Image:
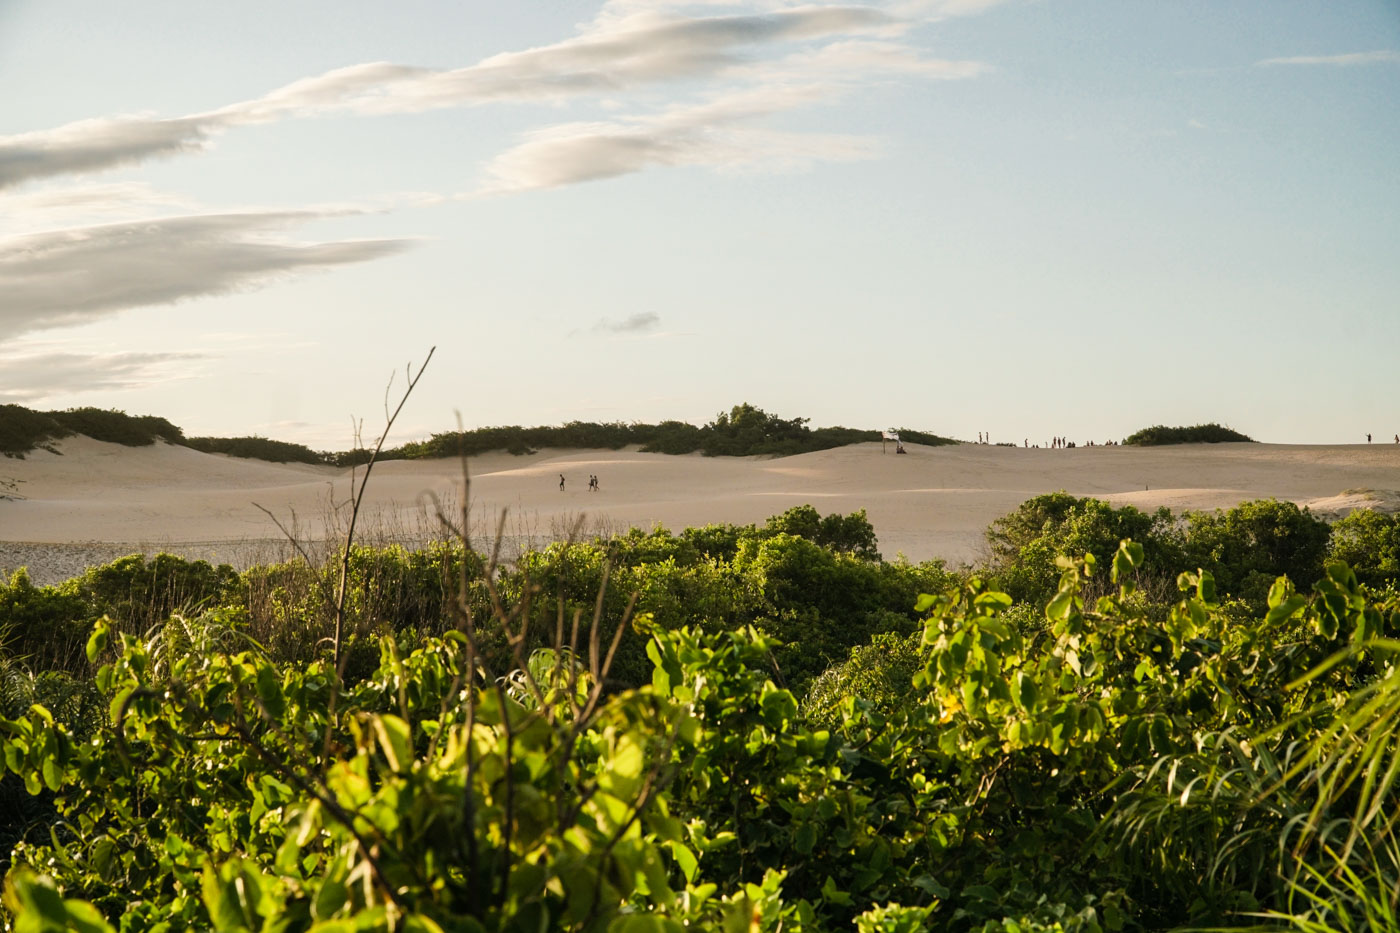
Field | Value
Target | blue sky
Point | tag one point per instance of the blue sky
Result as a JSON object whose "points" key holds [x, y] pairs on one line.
{"points": [[1028, 218]]}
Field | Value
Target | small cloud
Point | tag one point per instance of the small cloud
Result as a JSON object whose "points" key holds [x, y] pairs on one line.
{"points": [[1196, 125], [640, 323], [1347, 58]]}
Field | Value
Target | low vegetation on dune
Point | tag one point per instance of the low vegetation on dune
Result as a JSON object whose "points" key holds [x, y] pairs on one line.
{"points": [[1160, 435], [256, 448], [23, 430], [742, 431], [1121, 721]]}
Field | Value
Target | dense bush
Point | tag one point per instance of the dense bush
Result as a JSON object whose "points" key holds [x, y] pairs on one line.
{"points": [[256, 448], [22, 430], [1369, 542], [1112, 771], [1247, 547], [117, 427], [1158, 435], [789, 735], [743, 431]]}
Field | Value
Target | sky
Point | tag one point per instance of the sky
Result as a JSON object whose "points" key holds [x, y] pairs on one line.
{"points": [[1021, 217]]}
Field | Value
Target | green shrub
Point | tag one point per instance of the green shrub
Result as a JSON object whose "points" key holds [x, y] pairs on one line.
{"points": [[1369, 542], [1246, 548], [22, 430], [1159, 435], [258, 448], [117, 427]]}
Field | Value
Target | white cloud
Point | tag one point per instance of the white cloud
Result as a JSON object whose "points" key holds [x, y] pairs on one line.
{"points": [[80, 274], [1348, 58], [716, 132], [33, 377], [578, 152], [94, 145], [629, 45]]}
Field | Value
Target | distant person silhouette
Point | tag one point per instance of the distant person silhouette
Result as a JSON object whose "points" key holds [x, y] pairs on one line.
{"points": [[1368, 438], [561, 482]]}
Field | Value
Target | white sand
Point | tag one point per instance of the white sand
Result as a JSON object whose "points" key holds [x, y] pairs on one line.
{"points": [[934, 502]]}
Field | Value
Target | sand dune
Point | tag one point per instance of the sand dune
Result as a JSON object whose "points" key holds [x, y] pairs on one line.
{"points": [[934, 502]]}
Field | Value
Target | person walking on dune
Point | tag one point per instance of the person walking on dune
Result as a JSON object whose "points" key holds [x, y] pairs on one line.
{"points": [[561, 482]]}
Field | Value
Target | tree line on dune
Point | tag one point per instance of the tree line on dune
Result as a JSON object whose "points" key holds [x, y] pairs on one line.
{"points": [[1119, 720], [744, 430]]}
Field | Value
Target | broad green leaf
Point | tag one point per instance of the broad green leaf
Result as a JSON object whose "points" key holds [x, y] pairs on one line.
{"points": [[685, 859], [396, 741], [97, 641]]}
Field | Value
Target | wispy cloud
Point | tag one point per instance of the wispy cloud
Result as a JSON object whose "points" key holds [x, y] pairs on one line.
{"points": [[1347, 58], [639, 323], [33, 377], [80, 274], [718, 132], [72, 205], [612, 54], [736, 64]]}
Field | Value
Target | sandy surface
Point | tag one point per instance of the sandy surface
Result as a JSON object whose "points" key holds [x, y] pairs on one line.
{"points": [[94, 500]]}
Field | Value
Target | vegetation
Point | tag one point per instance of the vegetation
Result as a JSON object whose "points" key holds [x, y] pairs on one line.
{"points": [[742, 431], [22, 430], [1159, 435], [733, 727], [256, 448]]}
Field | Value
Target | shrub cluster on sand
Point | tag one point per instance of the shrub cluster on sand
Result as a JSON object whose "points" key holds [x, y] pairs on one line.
{"points": [[22, 429], [742, 431], [256, 448], [1212, 433]]}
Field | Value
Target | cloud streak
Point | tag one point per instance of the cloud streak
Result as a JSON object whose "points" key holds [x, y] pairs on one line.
{"points": [[1348, 58], [718, 132], [35, 376], [81, 274], [613, 54]]}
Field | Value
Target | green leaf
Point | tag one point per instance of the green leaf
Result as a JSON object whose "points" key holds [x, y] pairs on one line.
{"points": [[685, 859], [223, 909], [1205, 589], [38, 897], [97, 641], [992, 600], [85, 918], [396, 740], [1026, 691], [329, 899], [270, 690], [53, 774], [834, 895]]}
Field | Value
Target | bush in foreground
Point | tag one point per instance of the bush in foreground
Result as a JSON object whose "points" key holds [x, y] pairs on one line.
{"points": [[1111, 771]]}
